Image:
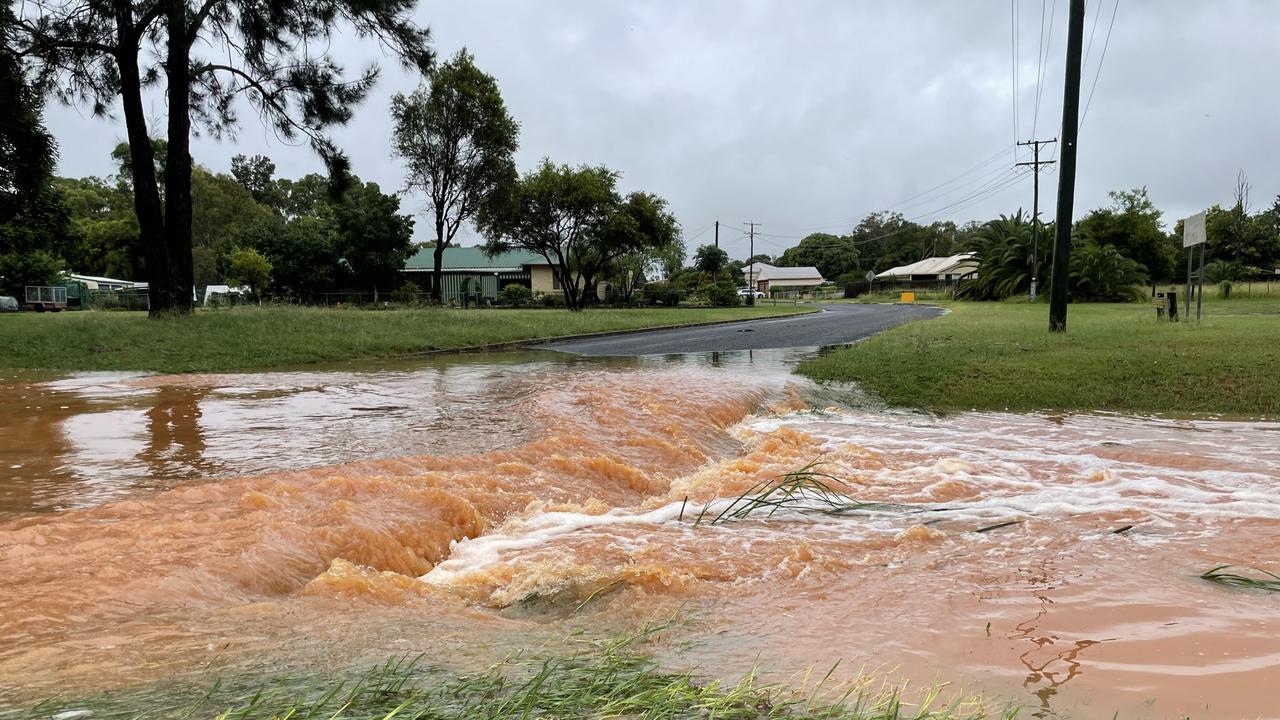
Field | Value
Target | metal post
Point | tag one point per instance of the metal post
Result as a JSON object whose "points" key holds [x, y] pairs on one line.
{"points": [[1200, 293], [1190, 251]]}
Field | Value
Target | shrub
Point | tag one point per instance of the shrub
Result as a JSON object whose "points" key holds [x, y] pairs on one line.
{"points": [[723, 294], [516, 295], [552, 300], [406, 294], [1224, 289], [1100, 273], [661, 293]]}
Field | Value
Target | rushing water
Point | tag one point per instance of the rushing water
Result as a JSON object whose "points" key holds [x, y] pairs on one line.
{"points": [[177, 526]]}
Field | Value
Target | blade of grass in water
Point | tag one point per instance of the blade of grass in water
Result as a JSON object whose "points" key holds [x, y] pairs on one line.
{"points": [[1270, 583]]}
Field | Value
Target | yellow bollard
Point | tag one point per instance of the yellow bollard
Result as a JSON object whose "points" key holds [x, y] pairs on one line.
{"points": [[908, 297]]}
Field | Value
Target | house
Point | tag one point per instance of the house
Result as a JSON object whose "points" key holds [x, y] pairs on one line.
{"points": [[933, 271], [765, 277], [482, 273]]}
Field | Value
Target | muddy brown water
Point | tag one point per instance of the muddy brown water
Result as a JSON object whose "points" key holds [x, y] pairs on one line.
{"points": [[194, 526]]}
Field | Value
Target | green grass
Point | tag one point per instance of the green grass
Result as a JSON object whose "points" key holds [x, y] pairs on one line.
{"points": [[1269, 582], [1000, 356], [253, 338], [609, 680]]}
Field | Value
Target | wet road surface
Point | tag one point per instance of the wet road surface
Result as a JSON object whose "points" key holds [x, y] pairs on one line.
{"points": [[836, 325]]}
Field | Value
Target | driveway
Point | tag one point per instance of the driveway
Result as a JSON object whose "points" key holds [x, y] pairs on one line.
{"points": [[835, 325]]}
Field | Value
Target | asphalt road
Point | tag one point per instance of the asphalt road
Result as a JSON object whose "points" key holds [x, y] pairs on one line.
{"points": [[836, 325]]}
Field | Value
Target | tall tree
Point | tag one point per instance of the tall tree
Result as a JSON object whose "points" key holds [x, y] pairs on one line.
{"points": [[711, 260], [273, 52], [373, 237], [832, 255], [458, 142], [558, 212]]}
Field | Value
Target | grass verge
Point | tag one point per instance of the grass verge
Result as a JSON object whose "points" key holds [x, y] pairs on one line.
{"points": [[1000, 356], [610, 680], [253, 338]]}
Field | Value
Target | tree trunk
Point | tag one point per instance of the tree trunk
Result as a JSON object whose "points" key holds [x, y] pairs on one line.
{"points": [[146, 190], [174, 295], [437, 275]]}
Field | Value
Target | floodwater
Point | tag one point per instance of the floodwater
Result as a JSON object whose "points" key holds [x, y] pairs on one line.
{"points": [[193, 526]]}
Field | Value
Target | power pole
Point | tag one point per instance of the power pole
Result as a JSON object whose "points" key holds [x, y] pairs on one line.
{"points": [[1067, 174], [717, 233], [1035, 207], [751, 253]]}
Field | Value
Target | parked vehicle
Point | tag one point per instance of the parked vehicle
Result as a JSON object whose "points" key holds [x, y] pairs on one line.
{"points": [[8, 303], [746, 292]]}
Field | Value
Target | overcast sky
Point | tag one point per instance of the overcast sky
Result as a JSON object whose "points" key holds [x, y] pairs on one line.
{"points": [[806, 115]]}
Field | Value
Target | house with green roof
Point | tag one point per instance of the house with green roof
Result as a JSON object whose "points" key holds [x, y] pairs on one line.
{"points": [[488, 275]]}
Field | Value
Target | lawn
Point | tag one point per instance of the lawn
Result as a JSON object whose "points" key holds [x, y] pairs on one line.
{"points": [[253, 338], [1000, 356]]}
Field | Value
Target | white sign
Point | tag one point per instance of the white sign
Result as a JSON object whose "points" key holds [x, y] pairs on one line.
{"points": [[1193, 230], [871, 275]]}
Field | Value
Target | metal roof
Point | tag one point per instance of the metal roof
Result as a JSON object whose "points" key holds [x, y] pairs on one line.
{"points": [[765, 271], [473, 259], [933, 266]]}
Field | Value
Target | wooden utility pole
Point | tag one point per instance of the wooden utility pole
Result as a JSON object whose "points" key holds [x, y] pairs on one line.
{"points": [[1067, 174], [717, 233], [751, 265], [1035, 207]]}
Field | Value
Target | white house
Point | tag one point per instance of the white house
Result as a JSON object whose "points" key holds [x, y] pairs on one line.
{"points": [[935, 269], [765, 277]]}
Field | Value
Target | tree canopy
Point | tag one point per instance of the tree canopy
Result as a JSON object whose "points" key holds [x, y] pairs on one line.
{"points": [[458, 142], [832, 255], [273, 53]]}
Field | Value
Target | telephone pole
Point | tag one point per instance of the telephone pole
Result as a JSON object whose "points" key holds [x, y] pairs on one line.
{"points": [[1067, 173], [751, 266], [717, 233], [1035, 207]]}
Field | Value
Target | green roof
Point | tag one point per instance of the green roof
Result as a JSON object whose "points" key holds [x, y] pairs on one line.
{"points": [[471, 257]]}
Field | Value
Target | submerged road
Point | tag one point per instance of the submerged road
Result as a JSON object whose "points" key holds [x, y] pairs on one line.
{"points": [[836, 325]]}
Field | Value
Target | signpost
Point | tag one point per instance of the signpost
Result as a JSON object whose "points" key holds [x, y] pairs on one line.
{"points": [[1192, 235], [871, 278]]}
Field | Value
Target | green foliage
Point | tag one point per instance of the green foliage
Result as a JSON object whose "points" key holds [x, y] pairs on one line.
{"points": [[251, 268], [710, 260], [303, 253], [575, 218], [1224, 289], [1220, 271], [1132, 226], [1099, 273], [661, 293], [458, 142], [721, 294], [407, 293], [832, 255], [373, 237], [887, 239], [256, 174], [551, 300], [516, 295], [1004, 249], [27, 150], [220, 208], [108, 241], [32, 267]]}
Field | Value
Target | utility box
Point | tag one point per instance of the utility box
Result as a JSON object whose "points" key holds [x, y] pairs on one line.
{"points": [[1166, 305], [907, 297]]}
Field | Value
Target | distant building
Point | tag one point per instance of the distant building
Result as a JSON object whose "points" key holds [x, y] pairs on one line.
{"points": [[765, 277], [488, 274], [933, 271]]}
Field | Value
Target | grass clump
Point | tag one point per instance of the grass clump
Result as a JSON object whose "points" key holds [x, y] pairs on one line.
{"points": [[1000, 356], [609, 680], [245, 338], [1219, 575], [803, 490]]}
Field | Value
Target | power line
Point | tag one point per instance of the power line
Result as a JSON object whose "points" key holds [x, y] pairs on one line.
{"points": [[1042, 59], [1101, 59], [1013, 49]]}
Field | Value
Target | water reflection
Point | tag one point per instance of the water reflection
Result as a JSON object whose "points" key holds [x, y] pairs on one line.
{"points": [[83, 440]]}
